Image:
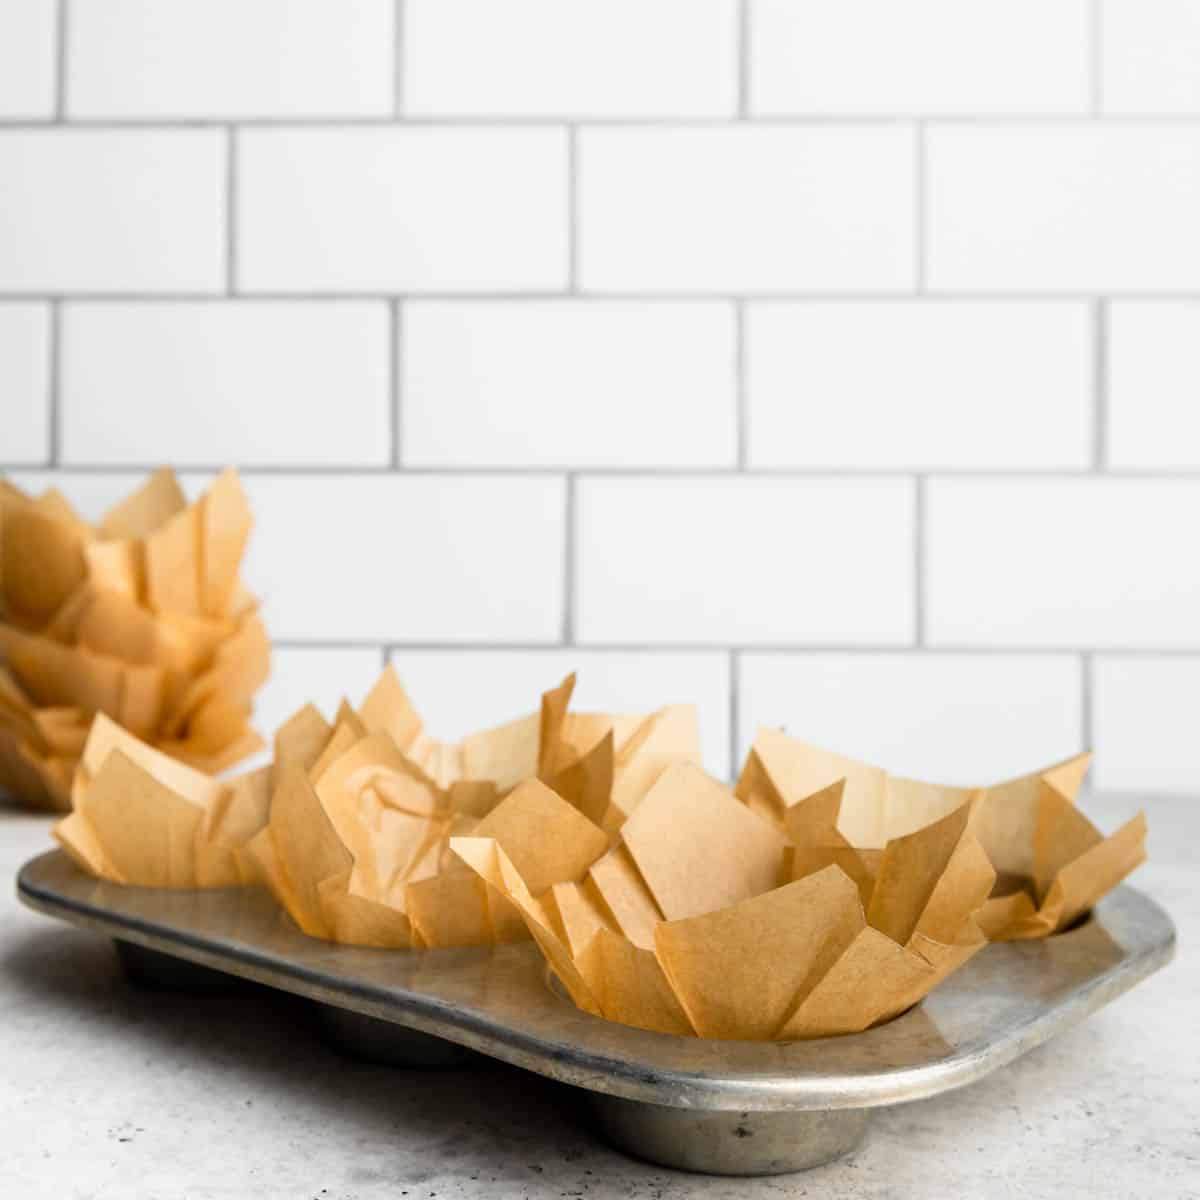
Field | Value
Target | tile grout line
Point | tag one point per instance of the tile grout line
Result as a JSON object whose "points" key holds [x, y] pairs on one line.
{"points": [[806, 649], [569, 549], [920, 221], [1012, 475], [399, 16], [231, 157], [573, 209], [919, 508], [1096, 57], [741, 406], [1100, 354], [54, 386], [800, 120], [743, 60], [62, 29], [1087, 662], [395, 386], [735, 704], [540, 295]]}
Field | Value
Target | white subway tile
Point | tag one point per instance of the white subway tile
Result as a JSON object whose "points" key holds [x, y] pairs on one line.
{"points": [[460, 691], [896, 384], [27, 53], [1064, 208], [319, 675], [24, 383], [1150, 56], [747, 209], [570, 58], [402, 209], [963, 719], [1153, 385], [112, 211], [1144, 719], [226, 58], [924, 56], [418, 558], [744, 560], [594, 384], [1062, 563], [293, 383]]}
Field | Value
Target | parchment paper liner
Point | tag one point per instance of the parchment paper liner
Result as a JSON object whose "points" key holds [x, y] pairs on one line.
{"points": [[141, 618], [350, 830], [1051, 863], [701, 920]]}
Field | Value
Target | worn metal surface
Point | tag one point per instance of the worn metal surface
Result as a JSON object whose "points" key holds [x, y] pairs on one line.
{"points": [[386, 1043], [1007, 1000], [728, 1143]]}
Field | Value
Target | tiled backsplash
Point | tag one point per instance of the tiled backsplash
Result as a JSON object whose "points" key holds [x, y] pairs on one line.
{"points": [[832, 363]]}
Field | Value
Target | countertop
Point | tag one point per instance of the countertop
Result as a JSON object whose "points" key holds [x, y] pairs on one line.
{"points": [[114, 1093]]}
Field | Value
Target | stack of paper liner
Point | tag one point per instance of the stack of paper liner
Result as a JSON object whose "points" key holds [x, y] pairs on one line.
{"points": [[822, 897], [142, 618]]}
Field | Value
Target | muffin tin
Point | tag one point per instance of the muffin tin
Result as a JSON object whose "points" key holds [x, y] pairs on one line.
{"points": [[736, 1108]]}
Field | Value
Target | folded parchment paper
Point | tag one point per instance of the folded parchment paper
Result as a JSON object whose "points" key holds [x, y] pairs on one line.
{"points": [[702, 920], [142, 618], [821, 897], [350, 826], [1051, 863]]}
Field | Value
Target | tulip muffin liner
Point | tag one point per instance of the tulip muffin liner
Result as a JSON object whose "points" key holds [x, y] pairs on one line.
{"points": [[142, 618]]}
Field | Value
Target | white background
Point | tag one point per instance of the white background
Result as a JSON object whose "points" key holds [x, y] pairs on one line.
{"points": [[831, 363]]}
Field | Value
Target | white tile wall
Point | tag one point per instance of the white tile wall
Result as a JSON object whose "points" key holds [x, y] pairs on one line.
{"points": [[1154, 385], [112, 211], [744, 209], [252, 382], [152, 59], [383, 558], [571, 58], [395, 209], [921, 57], [1151, 56], [947, 384], [24, 382], [827, 362], [1145, 723], [933, 716], [564, 383], [1080, 207], [27, 48], [744, 561], [1087, 562]]}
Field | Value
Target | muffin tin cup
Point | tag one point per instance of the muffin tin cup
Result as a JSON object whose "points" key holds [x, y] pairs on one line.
{"points": [[386, 1044], [159, 972]]}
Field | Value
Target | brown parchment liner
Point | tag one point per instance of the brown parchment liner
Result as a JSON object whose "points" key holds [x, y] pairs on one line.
{"points": [[706, 919], [821, 897], [1052, 864], [141, 618], [350, 826]]}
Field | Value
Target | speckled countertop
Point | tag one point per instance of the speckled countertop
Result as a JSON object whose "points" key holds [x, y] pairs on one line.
{"points": [[111, 1093]]}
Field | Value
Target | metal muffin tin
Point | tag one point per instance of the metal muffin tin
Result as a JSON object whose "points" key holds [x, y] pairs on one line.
{"points": [[738, 1108]]}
